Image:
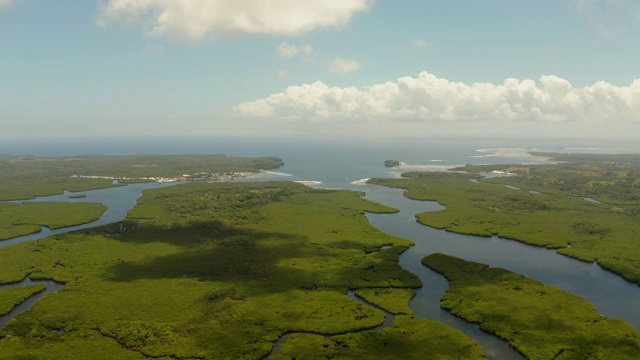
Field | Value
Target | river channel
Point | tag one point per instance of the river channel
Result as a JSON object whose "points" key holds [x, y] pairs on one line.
{"points": [[612, 296]]}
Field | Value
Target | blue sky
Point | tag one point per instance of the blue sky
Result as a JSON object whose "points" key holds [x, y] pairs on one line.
{"points": [[211, 67]]}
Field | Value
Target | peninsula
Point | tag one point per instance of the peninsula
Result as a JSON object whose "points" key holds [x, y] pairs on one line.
{"points": [[585, 206], [223, 271], [25, 177]]}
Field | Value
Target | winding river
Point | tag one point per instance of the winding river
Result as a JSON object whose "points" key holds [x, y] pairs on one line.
{"points": [[388, 321], [119, 200], [612, 296], [52, 286]]}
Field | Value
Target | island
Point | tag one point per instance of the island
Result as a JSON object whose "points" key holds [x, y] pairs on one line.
{"points": [[542, 322], [226, 270], [391, 163], [585, 206], [28, 218], [25, 177], [279, 270]]}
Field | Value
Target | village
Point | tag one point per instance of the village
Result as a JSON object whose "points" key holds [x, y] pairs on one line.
{"points": [[202, 176]]}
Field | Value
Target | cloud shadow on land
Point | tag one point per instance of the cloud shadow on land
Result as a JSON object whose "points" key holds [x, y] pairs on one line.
{"points": [[252, 285], [270, 261], [210, 251]]}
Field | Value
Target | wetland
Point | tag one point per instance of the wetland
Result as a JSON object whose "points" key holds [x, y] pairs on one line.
{"points": [[197, 236]]}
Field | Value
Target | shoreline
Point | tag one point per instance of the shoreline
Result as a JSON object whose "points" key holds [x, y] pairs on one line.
{"points": [[513, 153], [308, 183], [268, 174], [433, 168], [212, 177]]}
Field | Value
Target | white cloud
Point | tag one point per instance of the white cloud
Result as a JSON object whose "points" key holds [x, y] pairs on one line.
{"points": [[192, 20], [344, 66], [287, 50], [431, 99], [418, 43]]}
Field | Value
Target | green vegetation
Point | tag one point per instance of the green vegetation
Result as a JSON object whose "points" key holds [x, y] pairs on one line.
{"points": [[28, 218], [79, 196], [614, 179], [12, 297], [81, 344], [395, 301], [542, 322], [558, 219], [25, 177], [221, 271], [391, 163], [407, 338]]}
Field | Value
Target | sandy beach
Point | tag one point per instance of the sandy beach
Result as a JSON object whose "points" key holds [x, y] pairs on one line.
{"points": [[309, 183], [516, 153], [410, 167], [267, 174], [360, 182]]}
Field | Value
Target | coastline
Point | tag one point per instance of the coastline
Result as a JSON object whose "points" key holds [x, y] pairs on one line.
{"points": [[308, 183], [514, 153], [267, 174], [361, 181], [210, 177], [433, 168]]}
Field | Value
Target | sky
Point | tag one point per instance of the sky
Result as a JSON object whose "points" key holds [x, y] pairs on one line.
{"points": [[101, 68]]}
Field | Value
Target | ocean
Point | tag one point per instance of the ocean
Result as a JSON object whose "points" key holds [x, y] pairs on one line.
{"points": [[335, 162], [341, 163]]}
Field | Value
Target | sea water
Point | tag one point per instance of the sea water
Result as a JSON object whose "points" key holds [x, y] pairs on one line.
{"points": [[344, 162]]}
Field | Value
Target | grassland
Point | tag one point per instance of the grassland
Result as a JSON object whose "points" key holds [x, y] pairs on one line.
{"points": [[553, 217], [25, 177], [215, 271], [542, 322], [12, 297], [28, 218]]}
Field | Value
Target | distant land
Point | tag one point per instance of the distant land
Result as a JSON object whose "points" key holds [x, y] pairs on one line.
{"points": [[585, 206], [391, 163], [25, 177], [225, 270], [278, 270]]}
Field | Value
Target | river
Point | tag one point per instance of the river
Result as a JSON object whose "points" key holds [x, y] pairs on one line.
{"points": [[340, 163]]}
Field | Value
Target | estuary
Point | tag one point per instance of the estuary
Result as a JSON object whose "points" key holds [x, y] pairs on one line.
{"points": [[342, 166]]}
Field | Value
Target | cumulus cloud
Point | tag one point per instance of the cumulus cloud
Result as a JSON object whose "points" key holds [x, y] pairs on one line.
{"points": [[288, 51], [344, 66], [428, 98], [192, 20]]}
